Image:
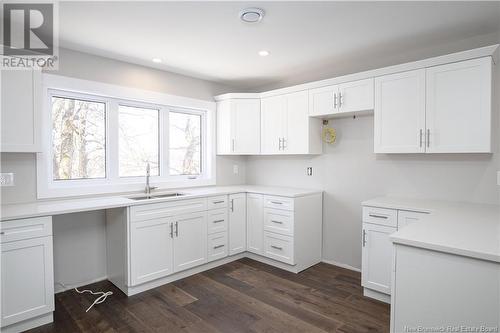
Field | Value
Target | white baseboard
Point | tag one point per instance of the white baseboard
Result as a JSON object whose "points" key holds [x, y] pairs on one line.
{"points": [[334, 263], [58, 288]]}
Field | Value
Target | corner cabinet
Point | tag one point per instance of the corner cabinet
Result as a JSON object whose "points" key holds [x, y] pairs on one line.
{"points": [[20, 111], [238, 126], [441, 109], [286, 127]]}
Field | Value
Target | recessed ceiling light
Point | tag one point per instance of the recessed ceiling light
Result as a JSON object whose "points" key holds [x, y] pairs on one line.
{"points": [[156, 60], [251, 15], [263, 53]]}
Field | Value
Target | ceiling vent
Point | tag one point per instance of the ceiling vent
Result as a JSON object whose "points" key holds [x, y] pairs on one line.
{"points": [[251, 15]]}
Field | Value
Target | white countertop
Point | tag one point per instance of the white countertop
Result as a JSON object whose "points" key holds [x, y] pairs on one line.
{"points": [[65, 206], [466, 229]]}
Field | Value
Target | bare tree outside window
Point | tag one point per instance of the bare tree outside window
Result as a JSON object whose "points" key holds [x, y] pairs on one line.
{"points": [[78, 139], [185, 143], [138, 141]]}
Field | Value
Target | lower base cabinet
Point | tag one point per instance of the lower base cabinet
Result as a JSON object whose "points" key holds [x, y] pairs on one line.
{"points": [[255, 223], [27, 273], [190, 240], [217, 246], [237, 223]]}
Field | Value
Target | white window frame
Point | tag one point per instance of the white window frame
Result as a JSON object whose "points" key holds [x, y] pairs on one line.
{"points": [[113, 96]]}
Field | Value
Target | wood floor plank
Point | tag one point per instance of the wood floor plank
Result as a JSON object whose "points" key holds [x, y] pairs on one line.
{"points": [[241, 296]]}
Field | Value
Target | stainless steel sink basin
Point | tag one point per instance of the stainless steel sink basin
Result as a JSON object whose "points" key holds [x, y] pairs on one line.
{"points": [[159, 196]]}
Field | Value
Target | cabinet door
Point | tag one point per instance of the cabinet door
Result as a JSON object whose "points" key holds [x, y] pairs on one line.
{"points": [[356, 96], [20, 130], [237, 223], [406, 218], [151, 250], [458, 114], [399, 114], [190, 240], [272, 124], [255, 222], [323, 101], [296, 135], [377, 257], [224, 124], [246, 126], [27, 279]]}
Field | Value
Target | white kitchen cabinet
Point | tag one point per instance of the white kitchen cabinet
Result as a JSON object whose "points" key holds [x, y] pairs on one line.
{"points": [[238, 127], [151, 249], [344, 98], [399, 116], [217, 246], [237, 223], [20, 111], [190, 240], [406, 218], [286, 125], [255, 222], [377, 257], [27, 273], [458, 107]]}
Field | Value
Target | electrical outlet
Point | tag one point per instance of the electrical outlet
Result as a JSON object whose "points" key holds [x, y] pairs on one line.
{"points": [[309, 171], [236, 169], [7, 179]]}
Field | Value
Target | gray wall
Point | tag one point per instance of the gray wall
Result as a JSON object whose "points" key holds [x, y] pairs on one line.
{"points": [[79, 243]]}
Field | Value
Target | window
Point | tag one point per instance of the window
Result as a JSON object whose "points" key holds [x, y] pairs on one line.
{"points": [[185, 143], [99, 138], [138, 141], [78, 139]]}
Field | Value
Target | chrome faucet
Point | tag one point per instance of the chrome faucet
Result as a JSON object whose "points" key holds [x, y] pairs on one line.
{"points": [[148, 175]]}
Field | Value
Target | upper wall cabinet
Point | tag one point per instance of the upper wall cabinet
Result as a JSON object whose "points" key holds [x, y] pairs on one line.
{"points": [[286, 126], [458, 107], [345, 98], [20, 90], [238, 127], [441, 109]]}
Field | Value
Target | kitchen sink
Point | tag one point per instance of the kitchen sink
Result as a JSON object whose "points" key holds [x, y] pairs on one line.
{"points": [[158, 196]]}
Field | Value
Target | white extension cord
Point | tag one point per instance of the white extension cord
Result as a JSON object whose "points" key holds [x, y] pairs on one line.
{"points": [[98, 300]]}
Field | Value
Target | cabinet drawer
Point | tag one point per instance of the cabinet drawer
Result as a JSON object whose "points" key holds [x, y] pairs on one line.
{"points": [[380, 216], [217, 246], [165, 209], [278, 221], [217, 202], [278, 247], [406, 218], [217, 220], [278, 202], [25, 228]]}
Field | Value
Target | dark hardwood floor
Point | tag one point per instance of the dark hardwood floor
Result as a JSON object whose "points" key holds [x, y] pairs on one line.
{"points": [[242, 296]]}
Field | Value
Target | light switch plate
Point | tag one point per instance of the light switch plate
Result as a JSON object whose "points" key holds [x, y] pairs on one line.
{"points": [[7, 179], [236, 169]]}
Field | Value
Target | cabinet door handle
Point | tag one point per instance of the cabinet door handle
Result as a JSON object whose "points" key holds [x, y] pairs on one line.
{"points": [[171, 230], [232, 205], [218, 221], [364, 237], [176, 229], [378, 216], [335, 100], [278, 222], [428, 138], [421, 134], [2, 232], [284, 143], [276, 247], [218, 246], [341, 99], [279, 144], [232, 145]]}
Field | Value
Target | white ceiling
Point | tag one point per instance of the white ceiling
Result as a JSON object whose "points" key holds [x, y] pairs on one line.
{"points": [[207, 40]]}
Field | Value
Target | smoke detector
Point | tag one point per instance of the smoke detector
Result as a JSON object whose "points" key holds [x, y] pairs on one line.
{"points": [[251, 15]]}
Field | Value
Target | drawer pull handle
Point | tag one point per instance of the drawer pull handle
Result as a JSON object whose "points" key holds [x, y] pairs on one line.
{"points": [[278, 222], [378, 216], [218, 221], [218, 247], [276, 247], [218, 202], [2, 232], [276, 202]]}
